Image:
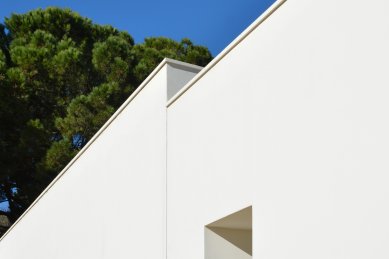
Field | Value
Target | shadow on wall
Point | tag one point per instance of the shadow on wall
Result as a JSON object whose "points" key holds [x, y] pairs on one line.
{"points": [[230, 237]]}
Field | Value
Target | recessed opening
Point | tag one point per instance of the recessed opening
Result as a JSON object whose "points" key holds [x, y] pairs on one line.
{"points": [[230, 237]]}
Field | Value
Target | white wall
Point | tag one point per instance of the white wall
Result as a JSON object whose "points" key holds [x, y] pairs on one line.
{"points": [[322, 131], [109, 203], [290, 119], [293, 121]]}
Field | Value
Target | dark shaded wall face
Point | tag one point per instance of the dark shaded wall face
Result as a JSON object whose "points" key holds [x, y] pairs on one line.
{"points": [[230, 237]]}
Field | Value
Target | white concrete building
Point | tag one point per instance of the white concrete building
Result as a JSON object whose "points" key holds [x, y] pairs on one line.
{"points": [[277, 149]]}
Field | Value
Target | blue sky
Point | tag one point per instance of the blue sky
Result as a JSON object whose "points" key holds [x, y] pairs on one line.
{"points": [[212, 23]]}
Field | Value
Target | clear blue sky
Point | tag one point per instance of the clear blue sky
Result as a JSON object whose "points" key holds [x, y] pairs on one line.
{"points": [[212, 23]]}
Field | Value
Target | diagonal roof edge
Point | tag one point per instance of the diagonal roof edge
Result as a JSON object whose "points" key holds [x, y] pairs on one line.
{"points": [[228, 49], [164, 62]]}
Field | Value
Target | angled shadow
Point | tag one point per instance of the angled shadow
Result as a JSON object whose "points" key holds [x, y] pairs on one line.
{"points": [[230, 236]]}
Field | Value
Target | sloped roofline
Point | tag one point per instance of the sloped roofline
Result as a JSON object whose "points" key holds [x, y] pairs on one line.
{"points": [[164, 62], [228, 49]]}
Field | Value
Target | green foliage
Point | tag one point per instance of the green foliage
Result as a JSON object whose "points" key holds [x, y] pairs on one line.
{"points": [[3, 66], [61, 78], [58, 155], [112, 58], [87, 113]]}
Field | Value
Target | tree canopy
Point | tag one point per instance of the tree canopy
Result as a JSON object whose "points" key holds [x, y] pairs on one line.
{"points": [[61, 78]]}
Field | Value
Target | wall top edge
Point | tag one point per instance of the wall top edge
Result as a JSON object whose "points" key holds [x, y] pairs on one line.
{"points": [[181, 65]]}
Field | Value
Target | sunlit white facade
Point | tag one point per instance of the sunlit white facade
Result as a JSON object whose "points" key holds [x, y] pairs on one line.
{"points": [[277, 149]]}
